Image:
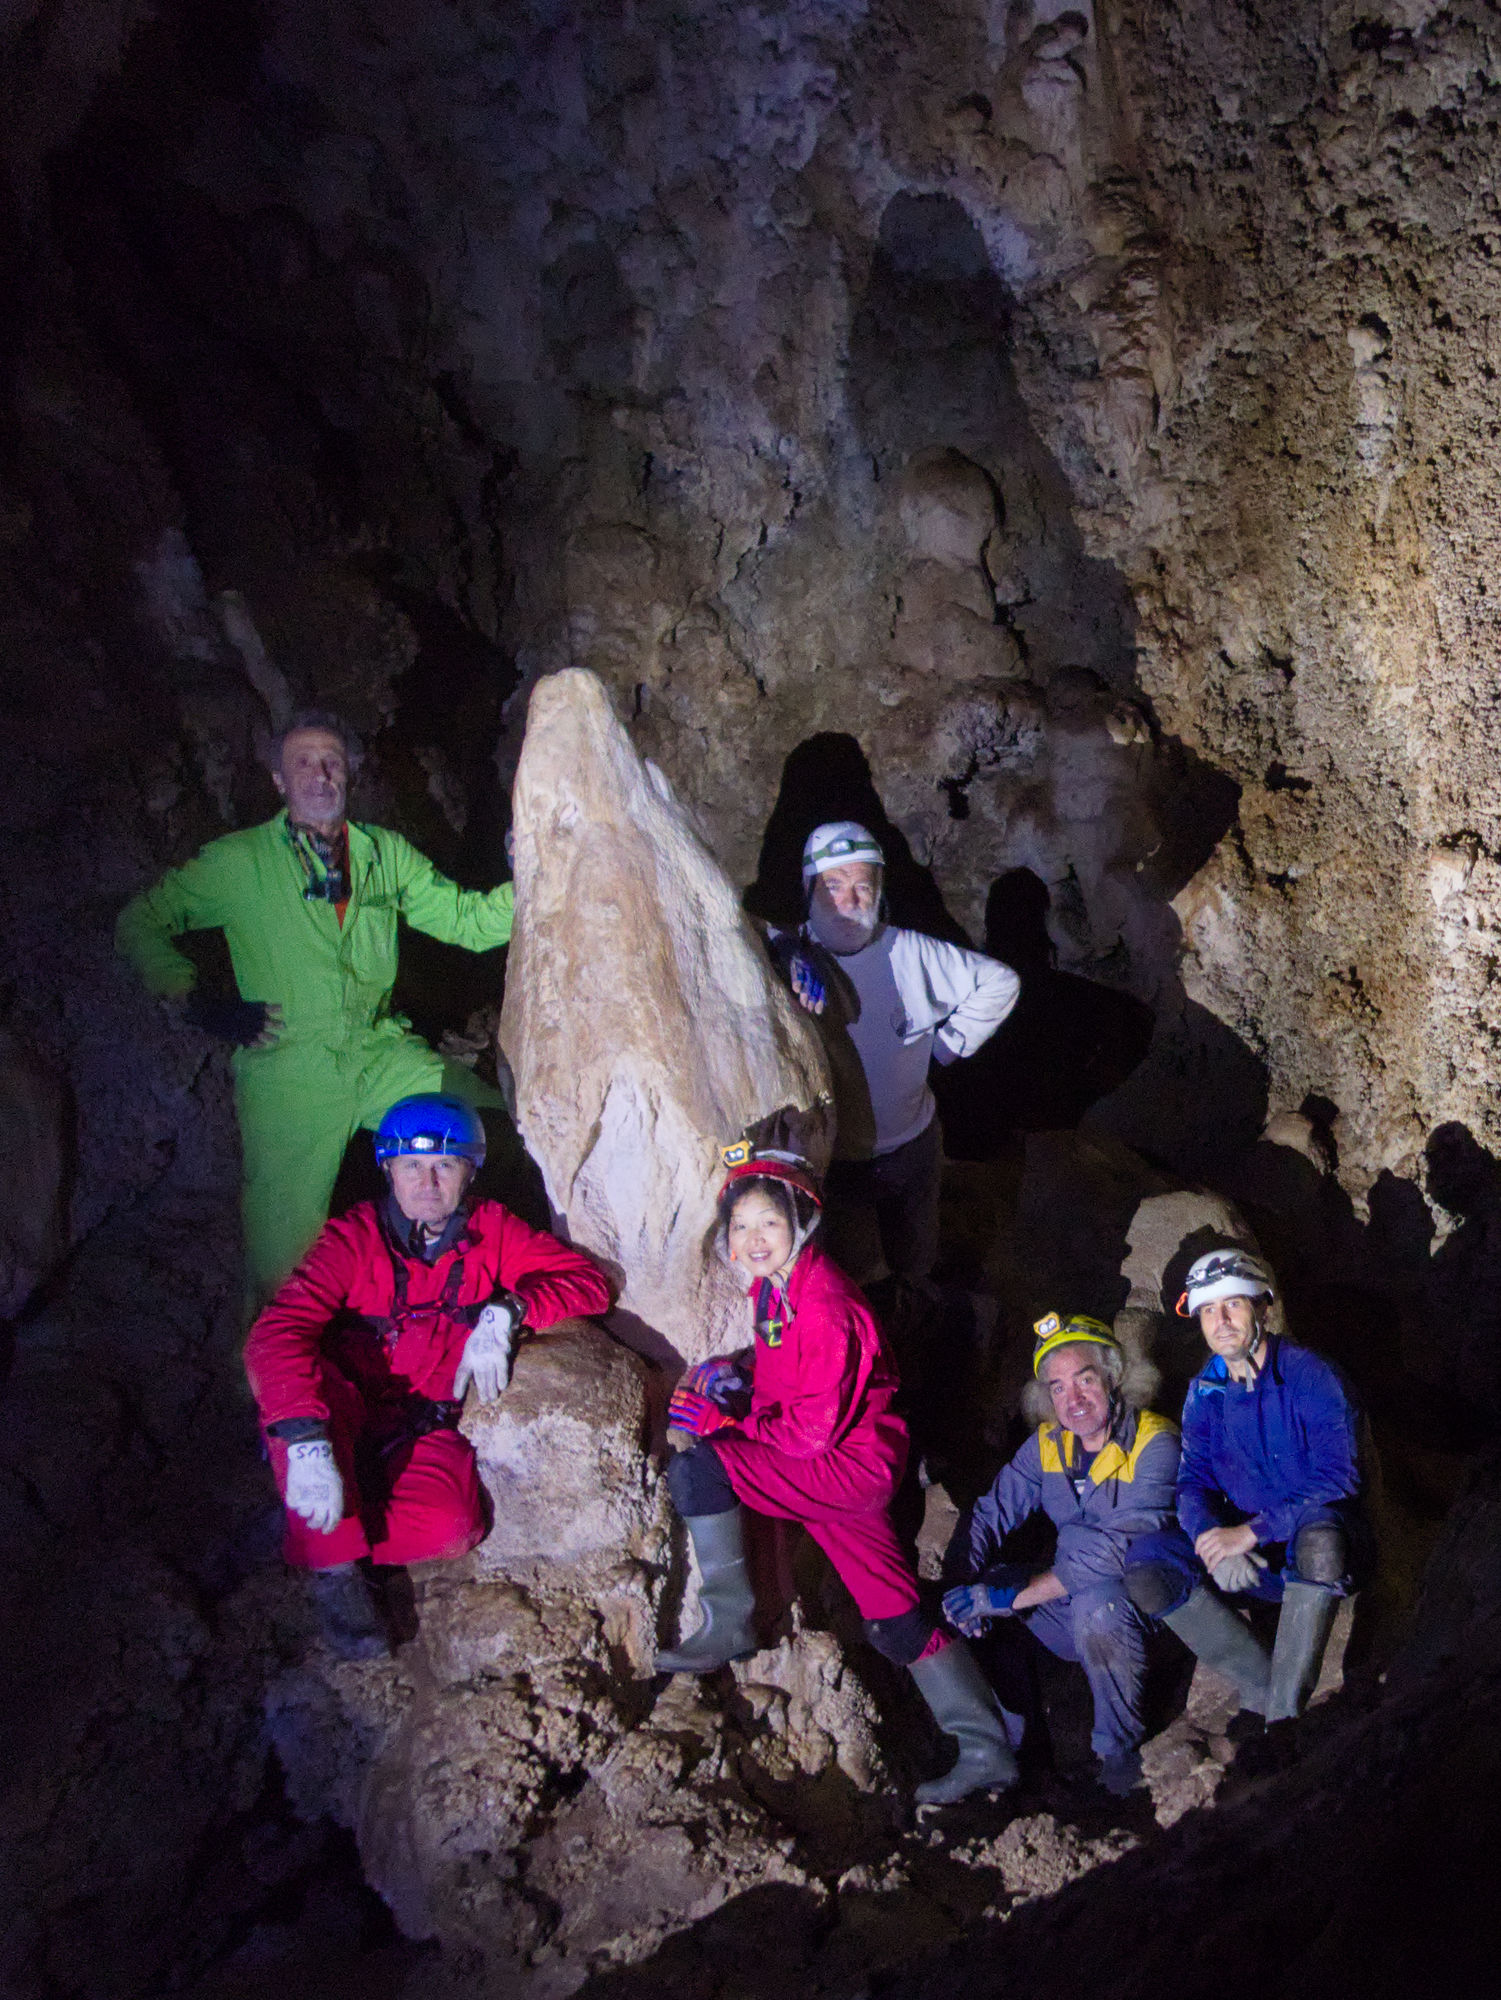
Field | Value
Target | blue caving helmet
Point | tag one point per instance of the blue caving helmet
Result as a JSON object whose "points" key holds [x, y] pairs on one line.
{"points": [[431, 1123]]}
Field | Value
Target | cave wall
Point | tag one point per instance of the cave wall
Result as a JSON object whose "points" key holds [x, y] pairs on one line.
{"points": [[1083, 411]]}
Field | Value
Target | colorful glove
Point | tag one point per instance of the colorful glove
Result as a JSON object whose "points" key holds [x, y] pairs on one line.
{"points": [[314, 1489], [486, 1360], [1238, 1572], [971, 1605], [724, 1380], [691, 1411]]}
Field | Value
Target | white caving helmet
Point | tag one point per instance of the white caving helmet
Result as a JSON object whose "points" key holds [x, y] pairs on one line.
{"points": [[835, 844], [1225, 1274]]}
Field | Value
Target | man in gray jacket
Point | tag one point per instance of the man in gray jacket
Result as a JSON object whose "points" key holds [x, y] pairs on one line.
{"points": [[1104, 1473], [891, 1001]]}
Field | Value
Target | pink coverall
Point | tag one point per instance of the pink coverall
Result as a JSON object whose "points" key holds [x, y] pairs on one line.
{"points": [[822, 1444]]}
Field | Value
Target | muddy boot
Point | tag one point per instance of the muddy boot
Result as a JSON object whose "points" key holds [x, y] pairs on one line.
{"points": [[347, 1617], [1214, 1634], [963, 1705], [725, 1597], [1302, 1634]]}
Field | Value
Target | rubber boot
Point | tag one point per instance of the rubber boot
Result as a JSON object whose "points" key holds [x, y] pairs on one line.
{"points": [[348, 1619], [1214, 1634], [963, 1705], [1302, 1634], [725, 1597]]}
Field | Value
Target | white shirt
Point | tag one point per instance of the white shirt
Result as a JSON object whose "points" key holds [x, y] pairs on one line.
{"points": [[909, 998]]}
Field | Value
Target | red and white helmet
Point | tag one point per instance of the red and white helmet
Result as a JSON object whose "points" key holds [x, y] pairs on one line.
{"points": [[744, 1162]]}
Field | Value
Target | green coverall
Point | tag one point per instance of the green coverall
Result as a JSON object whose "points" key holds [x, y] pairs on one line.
{"points": [[342, 1058]]}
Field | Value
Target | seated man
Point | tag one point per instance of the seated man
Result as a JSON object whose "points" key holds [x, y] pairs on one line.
{"points": [[1103, 1473], [1268, 1494], [360, 1363]]}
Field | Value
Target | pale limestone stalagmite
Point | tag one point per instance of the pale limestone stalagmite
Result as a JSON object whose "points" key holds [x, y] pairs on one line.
{"points": [[643, 1022]]}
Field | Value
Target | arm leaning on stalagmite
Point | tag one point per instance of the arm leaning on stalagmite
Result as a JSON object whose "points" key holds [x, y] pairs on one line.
{"points": [[1016, 1493], [552, 1279], [282, 1352], [477, 920]]}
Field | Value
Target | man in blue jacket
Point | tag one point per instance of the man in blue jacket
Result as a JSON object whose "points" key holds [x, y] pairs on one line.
{"points": [[1103, 1472], [1268, 1494]]}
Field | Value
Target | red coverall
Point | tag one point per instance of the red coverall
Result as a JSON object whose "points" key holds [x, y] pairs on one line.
{"points": [[822, 1444], [339, 1342]]}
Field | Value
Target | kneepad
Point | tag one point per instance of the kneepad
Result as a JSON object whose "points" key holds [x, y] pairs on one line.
{"points": [[901, 1639], [1320, 1552], [1153, 1588]]}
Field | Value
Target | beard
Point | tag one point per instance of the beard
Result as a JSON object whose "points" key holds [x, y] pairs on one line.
{"points": [[843, 936]]}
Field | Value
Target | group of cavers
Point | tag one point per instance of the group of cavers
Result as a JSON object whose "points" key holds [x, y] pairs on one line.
{"points": [[371, 1329]]}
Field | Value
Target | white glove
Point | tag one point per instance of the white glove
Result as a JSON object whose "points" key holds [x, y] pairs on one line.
{"points": [[1238, 1572], [486, 1360], [314, 1488]]}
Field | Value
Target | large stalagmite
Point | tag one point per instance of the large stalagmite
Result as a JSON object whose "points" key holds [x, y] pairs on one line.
{"points": [[643, 1022]]}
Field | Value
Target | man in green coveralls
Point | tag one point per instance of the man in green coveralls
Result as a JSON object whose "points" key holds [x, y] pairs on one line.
{"points": [[308, 903]]}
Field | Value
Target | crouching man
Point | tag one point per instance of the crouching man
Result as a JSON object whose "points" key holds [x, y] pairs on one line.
{"points": [[1268, 1495], [360, 1363], [1103, 1472]]}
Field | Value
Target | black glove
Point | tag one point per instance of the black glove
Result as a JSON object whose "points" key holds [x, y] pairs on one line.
{"points": [[239, 1022]]}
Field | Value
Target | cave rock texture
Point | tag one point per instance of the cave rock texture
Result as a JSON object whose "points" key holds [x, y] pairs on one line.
{"points": [[1060, 433], [643, 1023]]}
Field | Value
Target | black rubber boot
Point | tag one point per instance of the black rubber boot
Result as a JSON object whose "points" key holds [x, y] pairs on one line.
{"points": [[348, 1619], [963, 1705], [1302, 1634], [725, 1597], [1214, 1634]]}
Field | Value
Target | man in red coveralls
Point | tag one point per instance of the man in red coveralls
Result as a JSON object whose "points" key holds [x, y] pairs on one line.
{"points": [[360, 1363]]}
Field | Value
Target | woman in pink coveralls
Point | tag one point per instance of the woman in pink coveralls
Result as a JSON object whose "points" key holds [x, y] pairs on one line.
{"points": [[801, 1425]]}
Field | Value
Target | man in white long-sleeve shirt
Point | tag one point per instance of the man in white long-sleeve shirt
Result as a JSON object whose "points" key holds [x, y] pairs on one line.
{"points": [[896, 1000]]}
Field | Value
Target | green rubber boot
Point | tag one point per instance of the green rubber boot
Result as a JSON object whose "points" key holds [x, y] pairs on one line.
{"points": [[725, 1597]]}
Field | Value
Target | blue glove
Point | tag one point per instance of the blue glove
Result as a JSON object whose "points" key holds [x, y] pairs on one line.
{"points": [[970, 1606], [807, 986], [799, 970]]}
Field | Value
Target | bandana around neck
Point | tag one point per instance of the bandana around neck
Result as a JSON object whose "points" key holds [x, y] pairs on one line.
{"points": [[325, 860]]}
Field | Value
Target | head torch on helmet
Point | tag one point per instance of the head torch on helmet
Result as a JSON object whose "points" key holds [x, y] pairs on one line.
{"points": [[1224, 1274], [1081, 1329]]}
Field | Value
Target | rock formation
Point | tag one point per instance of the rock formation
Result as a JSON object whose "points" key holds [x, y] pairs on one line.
{"points": [[643, 1023]]}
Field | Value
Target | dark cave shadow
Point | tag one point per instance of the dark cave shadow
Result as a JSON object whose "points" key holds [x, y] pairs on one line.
{"points": [[1068, 1042], [828, 777]]}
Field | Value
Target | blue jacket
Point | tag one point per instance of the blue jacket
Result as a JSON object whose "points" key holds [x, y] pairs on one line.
{"points": [[1268, 1453], [1128, 1491]]}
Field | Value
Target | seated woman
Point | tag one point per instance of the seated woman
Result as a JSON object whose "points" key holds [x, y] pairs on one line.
{"points": [[801, 1426]]}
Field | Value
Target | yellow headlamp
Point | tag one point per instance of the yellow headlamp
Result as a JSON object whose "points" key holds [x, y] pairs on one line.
{"points": [[1053, 1333]]}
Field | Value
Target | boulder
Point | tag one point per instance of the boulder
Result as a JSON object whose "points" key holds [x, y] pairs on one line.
{"points": [[563, 1452], [1168, 1231], [643, 1021]]}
